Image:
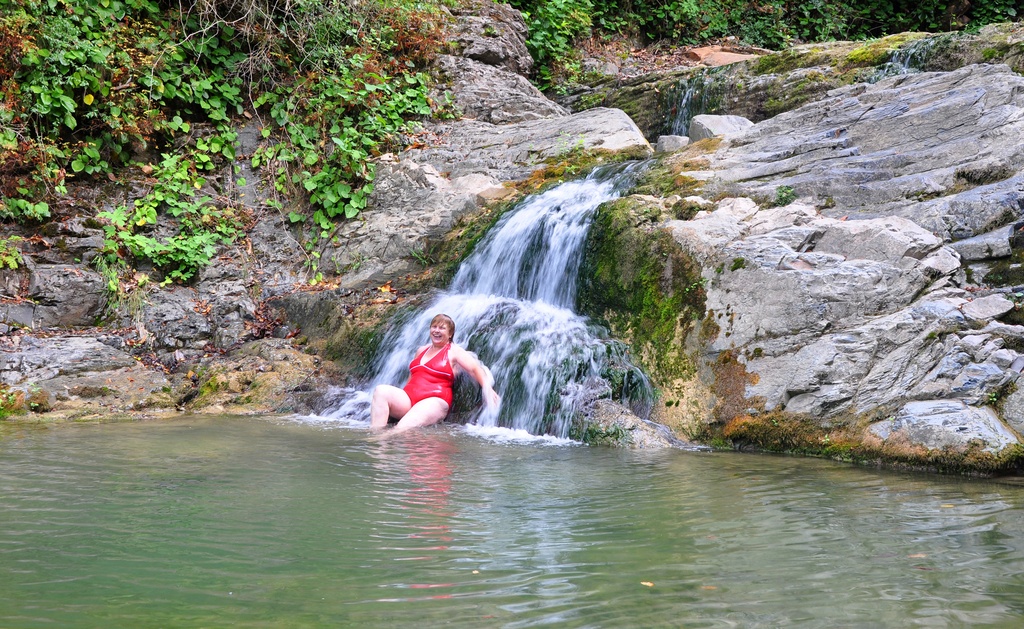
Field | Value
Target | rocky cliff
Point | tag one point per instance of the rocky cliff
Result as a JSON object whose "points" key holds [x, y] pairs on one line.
{"points": [[854, 258]]}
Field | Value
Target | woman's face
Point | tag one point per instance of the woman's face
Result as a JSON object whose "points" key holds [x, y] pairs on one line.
{"points": [[439, 333]]}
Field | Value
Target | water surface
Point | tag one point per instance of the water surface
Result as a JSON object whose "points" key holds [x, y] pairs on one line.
{"points": [[210, 522]]}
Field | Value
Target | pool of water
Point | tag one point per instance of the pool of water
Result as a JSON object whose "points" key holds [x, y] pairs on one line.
{"points": [[210, 522]]}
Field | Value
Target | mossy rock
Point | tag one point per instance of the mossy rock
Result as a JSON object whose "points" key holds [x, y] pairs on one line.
{"points": [[643, 285], [850, 440]]}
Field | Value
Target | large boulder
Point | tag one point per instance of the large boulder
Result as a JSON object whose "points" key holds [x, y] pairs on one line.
{"points": [[941, 149], [421, 193], [78, 375], [491, 94]]}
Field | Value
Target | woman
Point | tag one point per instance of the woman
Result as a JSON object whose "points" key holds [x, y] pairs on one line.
{"points": [[427, 396]]}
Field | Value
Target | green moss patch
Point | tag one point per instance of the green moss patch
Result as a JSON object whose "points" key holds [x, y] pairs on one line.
{"points": [[643, 285]]}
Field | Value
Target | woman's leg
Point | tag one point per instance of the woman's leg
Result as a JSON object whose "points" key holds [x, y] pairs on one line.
{"points": [[387, 401], [424, 413]]}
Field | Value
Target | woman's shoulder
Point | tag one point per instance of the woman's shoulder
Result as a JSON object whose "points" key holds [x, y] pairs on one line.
{"points": [[456, 351]]}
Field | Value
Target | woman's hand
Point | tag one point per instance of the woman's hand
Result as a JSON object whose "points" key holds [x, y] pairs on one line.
{"points": [[468, 362], [491, 397]]}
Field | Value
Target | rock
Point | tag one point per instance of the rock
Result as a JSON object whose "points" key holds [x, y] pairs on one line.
{"points": [[940, 149], [937, 424], [280, 255], [883, 239], [82, 375], [600, 67], [724, 58], [671, 143], [708, 126], [1013, 409], [994, 244], [490, 94], [419, 194], [38, 359], [985, 308], [55, 296], [224, 288], [175, 318], [513, 152], [493, 34], [73, 241], [610, 423]]}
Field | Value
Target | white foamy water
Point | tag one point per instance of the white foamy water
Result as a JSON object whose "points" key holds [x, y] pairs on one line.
{"points": [[513, 303]]}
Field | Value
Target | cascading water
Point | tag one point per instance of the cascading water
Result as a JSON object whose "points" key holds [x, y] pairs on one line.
{"points": [[907, 60], [512, 301], [694, 98]]}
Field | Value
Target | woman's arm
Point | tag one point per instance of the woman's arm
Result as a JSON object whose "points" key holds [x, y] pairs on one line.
{"points": [[469, 363]]}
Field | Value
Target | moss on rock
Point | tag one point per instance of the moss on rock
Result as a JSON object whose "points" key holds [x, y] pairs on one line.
{"points": [[647, 290]]}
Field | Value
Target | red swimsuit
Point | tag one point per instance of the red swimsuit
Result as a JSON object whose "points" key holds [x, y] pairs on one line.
{"points": [[432, 379]]}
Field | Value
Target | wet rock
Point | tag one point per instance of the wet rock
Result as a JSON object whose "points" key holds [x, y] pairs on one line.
{"points": [[612, 424]]}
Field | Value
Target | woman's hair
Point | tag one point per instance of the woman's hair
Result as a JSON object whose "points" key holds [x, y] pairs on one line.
{"points": [[448, 322]]}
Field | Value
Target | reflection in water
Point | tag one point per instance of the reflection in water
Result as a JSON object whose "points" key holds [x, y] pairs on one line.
{"points": [[422, 506]]}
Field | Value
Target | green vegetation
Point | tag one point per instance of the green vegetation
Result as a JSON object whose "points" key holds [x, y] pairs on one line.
{"points": [[11, 402], [554, 24], [10, 254], [108, 89]]}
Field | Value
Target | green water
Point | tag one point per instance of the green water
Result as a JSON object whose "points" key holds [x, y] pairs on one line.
{"points": [[214, 522]]}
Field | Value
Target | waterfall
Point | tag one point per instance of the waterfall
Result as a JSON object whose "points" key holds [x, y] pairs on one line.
{"points": [[907, 60], [694, 98], [513, 303]]}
